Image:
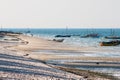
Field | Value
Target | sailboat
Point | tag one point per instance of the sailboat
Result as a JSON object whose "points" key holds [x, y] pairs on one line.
{"points": [[112, 36], [92, 35], [28, 31], [64, 35]]}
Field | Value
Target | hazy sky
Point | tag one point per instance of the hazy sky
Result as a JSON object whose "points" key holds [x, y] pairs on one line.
{"points": [[60, 13]]}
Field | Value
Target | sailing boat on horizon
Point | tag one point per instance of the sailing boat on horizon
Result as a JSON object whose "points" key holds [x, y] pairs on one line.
{"points": [[112, 36], [91, 35], [64, 35]]}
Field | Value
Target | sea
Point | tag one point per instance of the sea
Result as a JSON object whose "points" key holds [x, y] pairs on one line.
{"points": [[76, 40]]}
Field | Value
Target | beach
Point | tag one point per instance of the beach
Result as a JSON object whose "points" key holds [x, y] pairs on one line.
{"points": [[59, 40], [25, 60], [48, 47], [16, 67]]}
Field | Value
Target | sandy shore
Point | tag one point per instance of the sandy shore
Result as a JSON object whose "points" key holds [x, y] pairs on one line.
{"points": [[23, 62], [13, 66], [47, 45]]}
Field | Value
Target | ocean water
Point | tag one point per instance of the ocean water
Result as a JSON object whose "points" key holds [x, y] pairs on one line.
{"points": [[74, 40], [113, 51]]}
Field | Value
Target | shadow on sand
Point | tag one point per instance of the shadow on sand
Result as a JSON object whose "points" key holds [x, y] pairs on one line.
{"points": [[24, 67]]}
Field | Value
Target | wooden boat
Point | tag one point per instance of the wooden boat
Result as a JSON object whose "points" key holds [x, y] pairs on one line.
{"points": [[63, 36], [58, 40], [90, 35], [112, 37], [110, 43]]}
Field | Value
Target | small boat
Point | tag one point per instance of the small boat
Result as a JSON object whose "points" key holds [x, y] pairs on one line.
{"points": [[90, 35], [58, 40], [112, 37], [63, 36], [110, 43]]}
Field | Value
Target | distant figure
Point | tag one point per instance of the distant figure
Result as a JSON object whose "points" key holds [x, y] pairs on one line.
{"points": [[26, 54]]}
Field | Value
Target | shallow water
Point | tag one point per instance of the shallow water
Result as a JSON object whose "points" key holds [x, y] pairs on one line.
{"points": [[74, 40], [115, 71], [111, 70], [77, 54]]}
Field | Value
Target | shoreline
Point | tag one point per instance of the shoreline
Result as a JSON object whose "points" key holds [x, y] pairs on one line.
{"points": [[87, 73], [40, 43], [15, 66], [44, 44]]}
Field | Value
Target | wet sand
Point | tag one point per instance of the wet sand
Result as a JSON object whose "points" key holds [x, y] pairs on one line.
{"points": [[33, 44], [43, 44], [15, 66]]}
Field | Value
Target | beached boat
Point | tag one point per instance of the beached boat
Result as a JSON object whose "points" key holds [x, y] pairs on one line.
{"points": [[110, 43], [58, 40]]}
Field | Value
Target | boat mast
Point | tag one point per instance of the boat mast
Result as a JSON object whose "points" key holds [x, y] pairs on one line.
{"points": [[66, 29], [112, 32]]}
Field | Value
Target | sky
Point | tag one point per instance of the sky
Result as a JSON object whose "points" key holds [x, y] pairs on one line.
{"points": [[60, 13]]}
